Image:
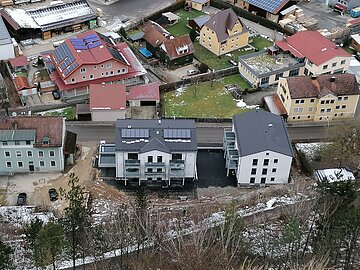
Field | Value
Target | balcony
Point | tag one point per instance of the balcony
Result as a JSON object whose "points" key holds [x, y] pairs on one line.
{"points": [[154, 164], [177, 164], [133, 173], [132, 163], [177, 172], [155, 174]]}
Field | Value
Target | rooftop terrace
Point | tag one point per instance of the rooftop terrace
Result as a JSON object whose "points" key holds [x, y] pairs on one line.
{"points": [[263, 63]]}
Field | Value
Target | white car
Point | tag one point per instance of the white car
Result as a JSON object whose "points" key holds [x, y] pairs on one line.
{"points": [[191, 72]]}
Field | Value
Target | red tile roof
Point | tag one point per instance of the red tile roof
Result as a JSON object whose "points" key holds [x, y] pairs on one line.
{"points": [[18, 61], [354, 21], [306, 87], [144, 92], [107, 97], [155, 34], [320, 51], [274, 104], [45, 126], [21, 82], [172, 46]]}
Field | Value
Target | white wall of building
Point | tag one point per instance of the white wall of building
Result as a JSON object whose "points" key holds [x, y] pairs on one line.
{"points": [[7, 51]]}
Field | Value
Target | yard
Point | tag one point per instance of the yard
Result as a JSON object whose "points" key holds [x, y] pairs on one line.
{"points": [[68, 112], [203, 100], [204, 55]]}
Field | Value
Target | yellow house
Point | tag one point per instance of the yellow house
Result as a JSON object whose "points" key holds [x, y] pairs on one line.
{"points": [[224, 33], [198, 4], [319, 98]]}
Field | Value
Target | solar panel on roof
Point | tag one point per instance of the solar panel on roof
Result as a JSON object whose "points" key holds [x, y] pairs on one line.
{"points": [[94, 44], [177, 134], [116, 54], [91, 36], [135, 133]]}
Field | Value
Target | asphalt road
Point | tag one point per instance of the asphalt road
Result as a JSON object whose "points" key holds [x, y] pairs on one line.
{"points": [[206, 135]]}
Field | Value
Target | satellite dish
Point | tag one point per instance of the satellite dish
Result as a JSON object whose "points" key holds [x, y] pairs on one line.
{"points": [[14, 114]]}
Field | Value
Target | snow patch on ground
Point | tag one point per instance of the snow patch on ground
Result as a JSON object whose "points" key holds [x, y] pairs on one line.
{"points": [[19, 216], [180, 91], [84, 152], [309, 149]]}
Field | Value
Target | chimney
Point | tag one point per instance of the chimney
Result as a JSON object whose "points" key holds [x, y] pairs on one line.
{"points": [[159, 121], [333, 79], [313, 77]]}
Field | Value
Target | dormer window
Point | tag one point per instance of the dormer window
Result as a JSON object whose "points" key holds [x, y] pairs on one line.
{"points": [[46, 140]]}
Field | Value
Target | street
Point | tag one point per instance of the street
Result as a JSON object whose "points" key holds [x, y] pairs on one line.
{"points": [[209, 135]]}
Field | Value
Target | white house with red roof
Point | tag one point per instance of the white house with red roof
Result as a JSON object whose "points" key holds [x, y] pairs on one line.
{"points": [[92, 58], [304, 53], [107, 102], [144, 95]]}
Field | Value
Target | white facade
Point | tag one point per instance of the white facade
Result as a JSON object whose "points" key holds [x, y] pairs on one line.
{"points": [[275, 172], [7, 51]]}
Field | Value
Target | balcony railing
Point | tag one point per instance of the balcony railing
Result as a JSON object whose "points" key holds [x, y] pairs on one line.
{"points": [[177, 163], [155, 164], [132, 173], [132, 162]]}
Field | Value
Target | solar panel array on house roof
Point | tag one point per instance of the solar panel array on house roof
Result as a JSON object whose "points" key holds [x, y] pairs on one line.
{"points": [[134, 133], [177, 133], [88, 42], [65, 59], [268, 5], [116, 54]]}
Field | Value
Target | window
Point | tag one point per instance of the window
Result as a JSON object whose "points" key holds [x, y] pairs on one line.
{"points": [[332, 101], [263, 180], [159, 159], [176, 156], [272, 179], [82, 70], [322, 110], [339, 98], [17, 143], [18, 153], [264, 171], [73, 80], [28, 142], [252, 180], [342, 62], [337, 107], [95, 67], [159, 170], [123, 70], [277, 76], [266, 162], [42, 163], [133, 155], [343, 107], [109, 65], [325, 66], [253, 171], [298, 109], [276, 160], [346, 98], [212, 32], [255, 162], [7, 154], [328, 110], [306, 72], [52, 153], [311, 109], [334, 64], [149, 178], [294, 72], [149, 170], [273, 170], [8, 164], [20, 164], [91, 76], [264, 80], [102, 66], [322, 102], [5, 143], [150, 159], [52, 163], [84, 77], [29, 153], [312, 100]]}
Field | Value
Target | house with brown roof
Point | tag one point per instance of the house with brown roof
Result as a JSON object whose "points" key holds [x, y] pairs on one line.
{"points": [[18, 63], [223, 33], [177, 51], [319, 98], [92, 58], [154, 36], [107, 102], [35, 144]]}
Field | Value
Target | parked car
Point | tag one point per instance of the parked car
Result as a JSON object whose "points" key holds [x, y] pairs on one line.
{"points": [[232, 62], [21, 199], [56, 94], [191, 72], [35, 64], [53, 194]]}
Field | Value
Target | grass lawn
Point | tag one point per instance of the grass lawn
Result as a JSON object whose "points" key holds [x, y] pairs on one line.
{"points": [[180, 27], [215, 62], [203, 100], [67, 112]]}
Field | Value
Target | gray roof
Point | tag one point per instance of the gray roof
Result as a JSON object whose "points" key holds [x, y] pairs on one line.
{"points": [[201, 20], [136, 36], [18, 135], [222, 21], [4, 34], [257, 131], [166, 135]]}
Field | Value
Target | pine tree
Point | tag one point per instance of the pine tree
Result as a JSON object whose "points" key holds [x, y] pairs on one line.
{"points": [[6, 261]]}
